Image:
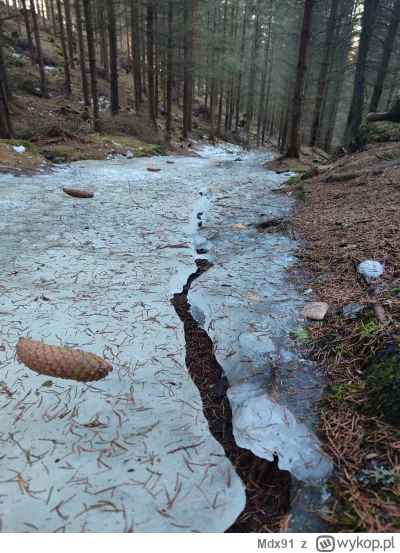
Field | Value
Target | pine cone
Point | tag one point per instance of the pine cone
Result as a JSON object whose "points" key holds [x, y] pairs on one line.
{"points": [[153, 169], [55, 361], [78, 193]]}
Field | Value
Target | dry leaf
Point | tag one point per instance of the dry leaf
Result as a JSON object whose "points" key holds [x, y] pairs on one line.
{"points": [[240, 226]]}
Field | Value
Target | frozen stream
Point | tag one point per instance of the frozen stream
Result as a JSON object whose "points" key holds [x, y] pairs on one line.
{"points": [[133, 451]]}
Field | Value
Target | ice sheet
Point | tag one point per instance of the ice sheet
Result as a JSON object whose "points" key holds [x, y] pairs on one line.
{"points": [[133, 451]]}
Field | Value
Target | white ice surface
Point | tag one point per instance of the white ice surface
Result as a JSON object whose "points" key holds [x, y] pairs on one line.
{"points": [[98, 274], [19, 149], [133, 451], [248, 306]]}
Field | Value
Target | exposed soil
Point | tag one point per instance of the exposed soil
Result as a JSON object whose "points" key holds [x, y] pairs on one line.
{"points": [[267, 487]]}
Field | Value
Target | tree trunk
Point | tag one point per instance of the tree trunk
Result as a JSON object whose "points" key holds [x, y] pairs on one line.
{"points": [[43, 85], [82, 60], [3, 69], [240, 76], [355, 116], [112, 39], [213, 80], [294, 144], [393, 85], [53, 17], [187, 69], [222, 72], [169, 70], [150, 62], [92, 62], [28, 32], [252, 76], [67, 76], [70, 36], [5, 120], [188, 82], [385, 59], [262, 106], [102, 31], [326, 58], [135, 41]]}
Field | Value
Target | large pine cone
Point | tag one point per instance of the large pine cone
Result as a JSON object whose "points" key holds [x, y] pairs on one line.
{"points": [[78, 193], [55, 361]]}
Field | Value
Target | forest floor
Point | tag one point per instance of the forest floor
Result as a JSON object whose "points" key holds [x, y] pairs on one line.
{"points": [[346, 213]]}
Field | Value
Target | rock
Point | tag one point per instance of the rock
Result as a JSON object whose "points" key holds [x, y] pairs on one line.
{"points": [[315, 311], [269, 223], [280, 171], [382, 381], [352, 309]]}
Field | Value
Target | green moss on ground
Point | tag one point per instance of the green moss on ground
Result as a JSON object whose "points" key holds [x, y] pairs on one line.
{"points": [[382, 382], [292, 180], [381, 131], [311, 172], [137, 147]]}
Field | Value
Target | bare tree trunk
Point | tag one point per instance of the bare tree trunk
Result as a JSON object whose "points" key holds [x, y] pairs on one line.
{"points": [[262, 106], [393, 85], [67, 76], [3, 70], [5, 120], [188, 81], [150, 62], [28, 32], [53, 17], [187, 69], [252, 76], [294, 144], [169, 70], [222, 83], [326, 58], [92, 62], [240, 76], [136, 55], [43, 85], [355, 116], [213, 80], [82, 60], [388, 45], [112, 39], [102, 32], [70, 36]]}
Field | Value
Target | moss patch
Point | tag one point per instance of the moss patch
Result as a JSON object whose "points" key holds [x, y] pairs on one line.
{"points": [[311, 172], [382, 382], [292, 180], [137, 147], [381, 131]]}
